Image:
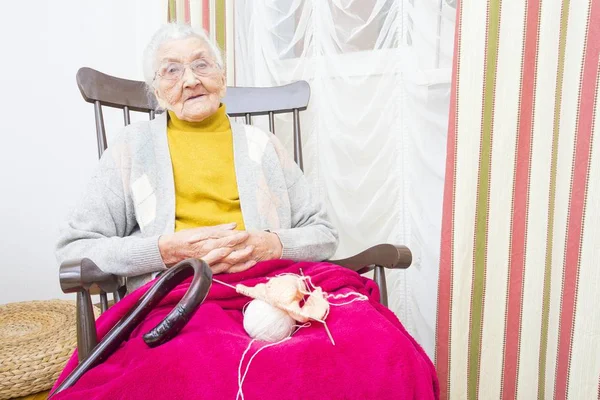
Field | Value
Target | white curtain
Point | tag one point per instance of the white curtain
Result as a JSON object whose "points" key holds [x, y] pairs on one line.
{"points": [[374, 135]]}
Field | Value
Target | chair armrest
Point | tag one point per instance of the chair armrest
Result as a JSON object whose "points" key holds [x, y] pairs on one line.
{"points": [[77, 275], [378, 257], [384, 255], [83, 277]]}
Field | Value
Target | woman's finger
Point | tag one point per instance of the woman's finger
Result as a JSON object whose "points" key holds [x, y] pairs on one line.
{"points": [[239, 256], [241, 267], [225, 258], [229, 240], [213, 234], [215, 255], [219, 268]]}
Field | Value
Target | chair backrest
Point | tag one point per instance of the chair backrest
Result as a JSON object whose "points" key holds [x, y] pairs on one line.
{"points": [[108, 91]]}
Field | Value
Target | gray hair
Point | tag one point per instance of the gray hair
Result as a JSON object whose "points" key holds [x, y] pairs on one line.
{"points": [[174, 31]]}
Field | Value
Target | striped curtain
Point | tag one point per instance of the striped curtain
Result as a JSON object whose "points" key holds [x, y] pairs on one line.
{"points": [[519, 288], [216, 18]]}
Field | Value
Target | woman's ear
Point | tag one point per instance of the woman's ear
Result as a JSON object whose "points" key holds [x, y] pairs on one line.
{"points": [[223, 89]]}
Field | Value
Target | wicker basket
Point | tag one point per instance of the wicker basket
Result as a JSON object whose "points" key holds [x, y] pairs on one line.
{"points": [[36, 340]]}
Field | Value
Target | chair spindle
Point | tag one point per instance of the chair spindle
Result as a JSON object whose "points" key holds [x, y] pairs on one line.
{"points": [[297, 140], [100, 131], [126, 115], [379, 276], [103, 301], [272, 122]]}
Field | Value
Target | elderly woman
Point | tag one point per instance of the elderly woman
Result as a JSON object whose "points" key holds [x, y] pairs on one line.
{"points": [[194, 184]]}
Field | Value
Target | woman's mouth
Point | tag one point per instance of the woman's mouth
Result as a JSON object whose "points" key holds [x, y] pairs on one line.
{"points": [[196, 97]]}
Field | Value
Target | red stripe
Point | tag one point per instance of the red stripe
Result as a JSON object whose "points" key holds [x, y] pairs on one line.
{"points": [[577, 199], [520, 203], [206, 15], [442, 352], [187, 12]]}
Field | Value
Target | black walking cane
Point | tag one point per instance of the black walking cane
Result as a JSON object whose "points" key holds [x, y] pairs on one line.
{"points": [[166, 329]]}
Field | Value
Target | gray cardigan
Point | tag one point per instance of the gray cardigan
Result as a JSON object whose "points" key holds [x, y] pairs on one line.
{"points": [[130, 202]]}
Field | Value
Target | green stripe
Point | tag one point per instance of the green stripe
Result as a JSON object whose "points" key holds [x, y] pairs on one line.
{"points": [[172, 11], [220, 24], [481, 222], [551, 205]]}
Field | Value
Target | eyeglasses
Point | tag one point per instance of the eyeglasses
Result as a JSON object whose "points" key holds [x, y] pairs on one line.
{"points": [[173, 71]]}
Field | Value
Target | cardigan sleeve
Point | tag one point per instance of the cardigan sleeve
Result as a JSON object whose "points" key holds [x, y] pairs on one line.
{"points": [[312, 236], [103, 227]]}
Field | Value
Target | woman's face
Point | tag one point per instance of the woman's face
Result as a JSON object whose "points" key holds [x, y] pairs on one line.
{"points": [[188, 80]]}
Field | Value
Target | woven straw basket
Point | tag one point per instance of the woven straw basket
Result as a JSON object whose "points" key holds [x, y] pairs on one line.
{"points": [[36, 340]]}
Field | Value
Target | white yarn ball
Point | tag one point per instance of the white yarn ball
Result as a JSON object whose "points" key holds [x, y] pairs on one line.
{"points": [[265, 322]]}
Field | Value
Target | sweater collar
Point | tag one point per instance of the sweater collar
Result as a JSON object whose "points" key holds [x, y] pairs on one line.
{"points": [[217, 122]]}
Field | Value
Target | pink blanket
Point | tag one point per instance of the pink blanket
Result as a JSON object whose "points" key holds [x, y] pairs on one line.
{"points": [[374, 357]]}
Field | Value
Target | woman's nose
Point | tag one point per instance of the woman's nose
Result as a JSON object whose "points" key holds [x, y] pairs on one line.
{"points": [[189, 79]]}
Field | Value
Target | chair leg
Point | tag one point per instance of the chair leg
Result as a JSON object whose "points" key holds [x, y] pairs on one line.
{"points": [[86, 325], [381, 282]]}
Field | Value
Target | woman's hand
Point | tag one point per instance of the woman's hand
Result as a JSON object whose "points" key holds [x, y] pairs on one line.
{"points": [[265, 246], [211, 243]]}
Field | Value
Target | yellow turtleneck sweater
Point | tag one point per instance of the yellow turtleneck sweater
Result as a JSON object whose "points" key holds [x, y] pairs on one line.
{"points": [[206, 191]]}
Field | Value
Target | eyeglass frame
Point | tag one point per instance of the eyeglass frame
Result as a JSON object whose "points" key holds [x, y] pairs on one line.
{"points": [[215, 66]]}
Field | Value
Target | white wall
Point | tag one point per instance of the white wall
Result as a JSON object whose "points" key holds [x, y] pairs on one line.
{"points": [[48, 147]]}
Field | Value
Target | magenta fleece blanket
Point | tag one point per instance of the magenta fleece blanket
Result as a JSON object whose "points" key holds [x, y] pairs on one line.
{"points": [[374, 357]]}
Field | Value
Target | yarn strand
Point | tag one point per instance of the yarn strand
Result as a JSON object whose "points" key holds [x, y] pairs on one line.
{"points": [[241, 378], [225, 284], [359, 297], [240, 393]]}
